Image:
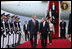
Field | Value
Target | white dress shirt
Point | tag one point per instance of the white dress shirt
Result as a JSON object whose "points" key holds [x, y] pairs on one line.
{"points": [[33, 20], [62, 22], [43, 24], [53, 7], [25, 26]]}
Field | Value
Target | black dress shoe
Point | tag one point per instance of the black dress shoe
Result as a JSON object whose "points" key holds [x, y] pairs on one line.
{"points": [[25, 40], [64, 37], [45, 47], [32, 46], [13, 45], [16, 44], [42, 46], [8, 46], [4, 36]]}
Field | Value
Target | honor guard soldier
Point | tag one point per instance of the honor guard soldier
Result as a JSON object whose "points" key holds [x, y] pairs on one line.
{"points": [[13, 30], [19, 26], [18, 31], [8, 30], [3, 30]]}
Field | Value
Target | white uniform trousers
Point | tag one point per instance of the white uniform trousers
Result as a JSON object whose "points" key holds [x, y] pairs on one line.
{"points": [[5, 42], [1, 41]]}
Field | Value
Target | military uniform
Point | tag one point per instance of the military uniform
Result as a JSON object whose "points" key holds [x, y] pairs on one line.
{"points": [[2, 34], [3, 31], [8, 30], [18, 33], [13, 31]]}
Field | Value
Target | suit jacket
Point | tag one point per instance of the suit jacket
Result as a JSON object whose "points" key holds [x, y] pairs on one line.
{"points": [[24, 28], [32, 28], [54, 13], [63, 25], [44, 29]]}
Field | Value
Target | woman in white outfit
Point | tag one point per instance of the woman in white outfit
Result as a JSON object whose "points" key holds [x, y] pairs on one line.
{"points": [[51, 31]]}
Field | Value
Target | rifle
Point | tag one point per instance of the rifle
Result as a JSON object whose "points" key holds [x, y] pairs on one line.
{"points": [[17, 28], [13, 28], [9, 28], [4, 28], [13, 32], [4, 33], [9, 32]]}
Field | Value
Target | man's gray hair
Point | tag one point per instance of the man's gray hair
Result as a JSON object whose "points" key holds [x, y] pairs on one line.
{"points": [[44, 18]]}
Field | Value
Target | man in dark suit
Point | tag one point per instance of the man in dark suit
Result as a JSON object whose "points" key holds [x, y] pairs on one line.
{"points": [[69, 26], [54, 10], [62, 28], [25, 29], [44, 28], [33, 27]]}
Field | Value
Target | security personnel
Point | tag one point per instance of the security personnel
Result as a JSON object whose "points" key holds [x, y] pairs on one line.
{"points": [[63, 29], [13, 30], [3, 31], [25, 29]]}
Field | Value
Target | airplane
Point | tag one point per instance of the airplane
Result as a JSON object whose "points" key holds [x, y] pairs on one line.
{"points": [[29, 8], [26, 8]]}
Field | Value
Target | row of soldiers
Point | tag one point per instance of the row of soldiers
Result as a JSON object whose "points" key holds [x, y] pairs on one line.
{"points": [[10, 31]]}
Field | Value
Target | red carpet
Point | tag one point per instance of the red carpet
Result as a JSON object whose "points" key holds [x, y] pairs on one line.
{"points": [[56, 43], [57, 19]]}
